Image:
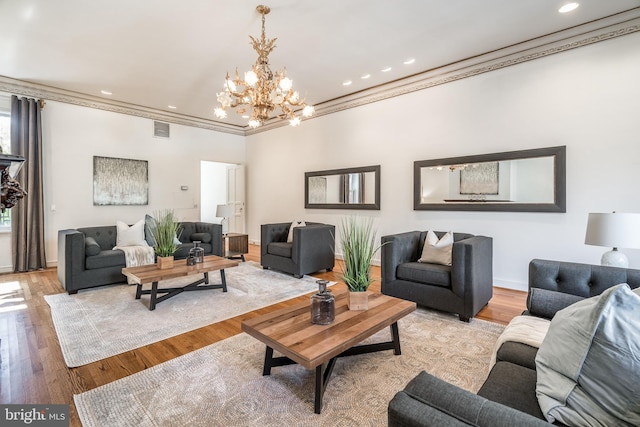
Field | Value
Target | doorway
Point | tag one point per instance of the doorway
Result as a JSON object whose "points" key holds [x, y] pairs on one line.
{"points": [[222, 183]]}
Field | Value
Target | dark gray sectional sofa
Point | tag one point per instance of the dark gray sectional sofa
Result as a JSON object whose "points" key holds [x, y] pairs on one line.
{"points": [[507, 397], [83, 265]]}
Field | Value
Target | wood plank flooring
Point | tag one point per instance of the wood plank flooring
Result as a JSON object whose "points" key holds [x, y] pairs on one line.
{"points": [[32, 369]]}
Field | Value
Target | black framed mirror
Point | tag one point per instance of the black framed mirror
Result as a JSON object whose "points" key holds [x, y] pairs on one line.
{"points": [[351, 188], [517, 181]]}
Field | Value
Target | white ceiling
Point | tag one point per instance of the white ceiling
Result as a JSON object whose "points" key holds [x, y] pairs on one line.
{"points": [[169, 52]]}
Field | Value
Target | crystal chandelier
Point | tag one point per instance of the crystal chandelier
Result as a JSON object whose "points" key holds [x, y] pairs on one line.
{"points": [[262, 90]]}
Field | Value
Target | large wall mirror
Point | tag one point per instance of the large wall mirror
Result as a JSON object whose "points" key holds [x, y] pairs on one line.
{"points": [[353, 188], [521, 181]]}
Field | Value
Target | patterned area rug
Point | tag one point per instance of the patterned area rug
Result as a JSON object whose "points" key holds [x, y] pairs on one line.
{"points": [[105, 321], [222, 384]]}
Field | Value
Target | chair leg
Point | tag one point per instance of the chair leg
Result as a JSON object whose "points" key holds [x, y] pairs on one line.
{"points": [[297, 276], [265, 268], [464, 318]]}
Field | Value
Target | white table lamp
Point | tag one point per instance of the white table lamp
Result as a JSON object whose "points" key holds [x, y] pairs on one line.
{"points": [[224, 212], [615, 230]]}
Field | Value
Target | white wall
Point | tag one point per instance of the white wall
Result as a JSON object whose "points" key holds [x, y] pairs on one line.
{"points": [[72, 135], [586, 99]]}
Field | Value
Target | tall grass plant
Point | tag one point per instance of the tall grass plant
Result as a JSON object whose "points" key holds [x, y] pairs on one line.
{"points": [[165, 229], [358, 239]]}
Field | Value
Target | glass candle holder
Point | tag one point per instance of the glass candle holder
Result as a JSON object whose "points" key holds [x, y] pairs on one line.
{"points": [[196, 252], [323, 305]]}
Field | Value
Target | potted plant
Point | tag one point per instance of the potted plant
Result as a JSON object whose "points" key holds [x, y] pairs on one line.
{"points": [[165, 230], [357, 236]]}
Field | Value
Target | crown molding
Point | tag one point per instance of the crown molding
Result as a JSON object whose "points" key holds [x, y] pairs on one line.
{"points": [[48, 93], [584, 35]]}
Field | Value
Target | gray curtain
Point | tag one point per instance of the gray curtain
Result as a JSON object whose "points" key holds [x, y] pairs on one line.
{"points": [[350, 191], [27, 217]]}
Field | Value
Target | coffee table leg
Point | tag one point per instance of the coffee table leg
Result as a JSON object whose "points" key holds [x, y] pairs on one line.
{"points": [[139, 291], [322, 378], [395, 336], [268, 357], [153, 294], [224, 280]]}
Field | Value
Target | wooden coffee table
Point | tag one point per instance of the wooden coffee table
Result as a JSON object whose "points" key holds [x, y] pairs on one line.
{"points": [[290, 332], [152, 274]]}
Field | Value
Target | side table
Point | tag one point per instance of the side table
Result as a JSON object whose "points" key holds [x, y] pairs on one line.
{"points": [[236, 245]]}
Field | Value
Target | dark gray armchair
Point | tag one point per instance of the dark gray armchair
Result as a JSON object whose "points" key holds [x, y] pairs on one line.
{"points": [[463, 288], [312, 249]]}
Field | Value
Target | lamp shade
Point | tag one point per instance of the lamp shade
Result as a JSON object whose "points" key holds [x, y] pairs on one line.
{"points": [[224, 211], [614, 230]]}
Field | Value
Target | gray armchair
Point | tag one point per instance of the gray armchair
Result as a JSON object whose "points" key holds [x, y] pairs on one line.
{"points": [[463, 288], [312, 249]]}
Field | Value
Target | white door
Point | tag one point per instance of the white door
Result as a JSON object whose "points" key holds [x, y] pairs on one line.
{"points": [[235, 197]]}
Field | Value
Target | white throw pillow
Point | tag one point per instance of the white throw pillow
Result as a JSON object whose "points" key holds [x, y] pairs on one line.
{"points": [[294, 224], [130, 236], [437, 251]]}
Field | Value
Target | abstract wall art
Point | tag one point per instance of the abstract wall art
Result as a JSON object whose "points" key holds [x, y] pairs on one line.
{"points": [[120, 181], [482, 178]]}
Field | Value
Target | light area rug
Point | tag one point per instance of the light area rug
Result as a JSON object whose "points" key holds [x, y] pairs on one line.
{"points": [[101, 322], [222, 384]]}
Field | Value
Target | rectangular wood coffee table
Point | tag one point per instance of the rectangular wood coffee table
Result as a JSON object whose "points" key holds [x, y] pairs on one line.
{"points": [[152, 274], [290, 332]]}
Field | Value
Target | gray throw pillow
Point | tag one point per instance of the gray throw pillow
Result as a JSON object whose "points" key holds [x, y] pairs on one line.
{"points": [[200, 237], [588, 365], [91, 247], [149, 223]]}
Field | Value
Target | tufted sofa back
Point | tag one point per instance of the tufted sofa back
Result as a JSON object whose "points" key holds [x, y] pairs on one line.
{"points": [[105, 235], [554, 285]]}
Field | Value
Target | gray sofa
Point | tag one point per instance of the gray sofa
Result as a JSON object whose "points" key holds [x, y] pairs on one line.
{"points": [[507, 397], [83, 264], [464, 287], [312, 249]]}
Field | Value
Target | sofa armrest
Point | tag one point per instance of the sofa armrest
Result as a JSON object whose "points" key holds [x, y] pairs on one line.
{"points": [[215, 231], [71, 255], [472, 266], [397, 249], [313, 241], [429, 401]]}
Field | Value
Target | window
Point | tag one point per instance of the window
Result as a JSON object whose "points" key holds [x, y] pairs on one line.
{"points": [[5, 144], [5, 131]]}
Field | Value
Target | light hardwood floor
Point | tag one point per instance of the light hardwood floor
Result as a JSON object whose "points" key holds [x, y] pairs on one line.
{"points": [[32, 369]]}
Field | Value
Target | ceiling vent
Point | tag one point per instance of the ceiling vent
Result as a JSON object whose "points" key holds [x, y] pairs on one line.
{"points": [[160, 129]]}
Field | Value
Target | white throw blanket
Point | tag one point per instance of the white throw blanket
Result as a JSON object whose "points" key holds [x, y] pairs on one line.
{"points": [[137, 255], [529, 330]]}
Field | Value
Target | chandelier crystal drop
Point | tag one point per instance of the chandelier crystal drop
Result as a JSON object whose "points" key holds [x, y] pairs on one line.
{"points": [[262, 91]]}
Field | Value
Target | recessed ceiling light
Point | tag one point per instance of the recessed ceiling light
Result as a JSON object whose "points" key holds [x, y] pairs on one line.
{"points": [[386, 69], [106, 92], [346, 83], [365, 76], [245, 116], [409, 61], [568, 7], [173, 107]]}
